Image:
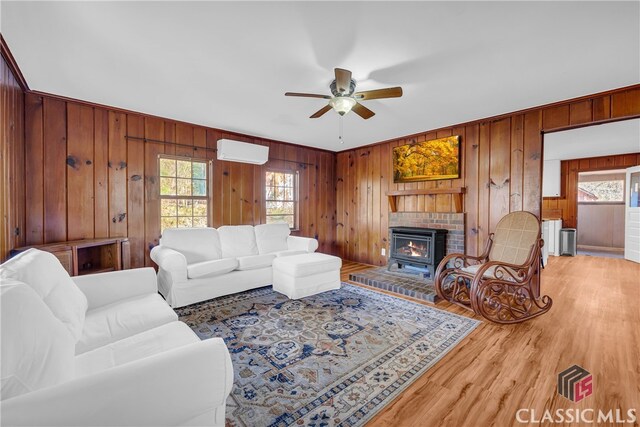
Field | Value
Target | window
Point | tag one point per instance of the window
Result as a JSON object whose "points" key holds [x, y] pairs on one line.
{"points": [[281, 197], [601, 191], [601, 187], [184, 193]]}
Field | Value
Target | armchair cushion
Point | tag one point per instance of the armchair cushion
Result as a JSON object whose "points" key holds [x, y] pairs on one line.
{"points": [[123, 319], [272, 238], [43, 272], [238, 240], [255, 261], [37, 349], [106, 288], [472, 269], [488, 274], [211, 268], [196, 244], [145, 344]]}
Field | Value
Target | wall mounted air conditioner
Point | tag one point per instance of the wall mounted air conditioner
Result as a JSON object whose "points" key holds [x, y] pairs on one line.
{"points": [[242, 152]]}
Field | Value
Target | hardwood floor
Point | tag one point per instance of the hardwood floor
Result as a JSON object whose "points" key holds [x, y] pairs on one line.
{"points": [[498, 369]]}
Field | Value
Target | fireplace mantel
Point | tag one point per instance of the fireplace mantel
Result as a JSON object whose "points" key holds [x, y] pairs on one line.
{"points": [[455, 192]]}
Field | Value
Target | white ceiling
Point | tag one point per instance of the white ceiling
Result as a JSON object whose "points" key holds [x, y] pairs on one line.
{"points": [[608, 139], [228, 64]]}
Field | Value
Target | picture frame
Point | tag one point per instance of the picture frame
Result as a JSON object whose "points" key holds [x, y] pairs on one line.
{"points": [[433, 160]]}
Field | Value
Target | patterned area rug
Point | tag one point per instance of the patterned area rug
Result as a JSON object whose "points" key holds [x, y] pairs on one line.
{"points": [[335, 358]]}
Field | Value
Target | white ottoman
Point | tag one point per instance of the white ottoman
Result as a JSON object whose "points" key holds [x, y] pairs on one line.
{"points": [[299, 276]]}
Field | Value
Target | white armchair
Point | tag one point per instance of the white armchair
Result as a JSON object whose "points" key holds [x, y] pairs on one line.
{"points": [[187, 385], [102, 349]]}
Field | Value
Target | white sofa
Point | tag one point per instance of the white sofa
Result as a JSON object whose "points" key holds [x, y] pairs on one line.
{"points": [[197, 264], [102, 349]]}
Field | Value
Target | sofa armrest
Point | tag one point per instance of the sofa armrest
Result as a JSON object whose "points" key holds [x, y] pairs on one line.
{"points": [[171, 261], [306, 244], [106, 288], [169, 388]]}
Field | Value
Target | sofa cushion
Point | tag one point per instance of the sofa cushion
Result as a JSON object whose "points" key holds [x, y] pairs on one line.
{"points": [[123, 319], [272, 238], [37, 349], [211, 268], [43, 272], [255, 261], [307, 264], [237, 240], [196, 244], [154, 341], [290, 252]]}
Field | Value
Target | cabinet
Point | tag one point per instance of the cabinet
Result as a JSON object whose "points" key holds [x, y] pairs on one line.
{"points": [[88, 256], [551, 178]]}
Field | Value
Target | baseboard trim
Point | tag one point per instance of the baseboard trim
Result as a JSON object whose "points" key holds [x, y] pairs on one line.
{"points": [[599, 248]]}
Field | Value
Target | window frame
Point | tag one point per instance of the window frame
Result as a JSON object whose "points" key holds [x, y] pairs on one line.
{"points": [[604, 202], [296, 195], [207, 198]]}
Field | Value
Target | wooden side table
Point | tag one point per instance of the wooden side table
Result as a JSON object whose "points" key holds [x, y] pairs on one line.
{"points": [[88, 256]]}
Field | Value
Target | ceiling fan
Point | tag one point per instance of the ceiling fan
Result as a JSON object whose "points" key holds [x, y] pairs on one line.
{"points": [[344, 99]]}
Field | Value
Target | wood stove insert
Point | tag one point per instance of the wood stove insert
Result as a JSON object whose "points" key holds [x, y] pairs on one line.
{"points": [[417, 247]]}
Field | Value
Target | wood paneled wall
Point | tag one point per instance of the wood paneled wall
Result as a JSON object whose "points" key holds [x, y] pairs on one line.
{"points": [[81, 177], [567, 203], [12, 207], [85, 178], [501, 168], [602, 225]]}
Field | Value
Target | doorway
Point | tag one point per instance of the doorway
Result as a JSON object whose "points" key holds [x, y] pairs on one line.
{"points": [[583, 187], [601, 213]]}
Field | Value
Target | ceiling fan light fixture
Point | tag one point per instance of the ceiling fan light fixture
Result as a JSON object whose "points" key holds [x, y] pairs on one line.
{"points": [[345, 98], [342, 104]]}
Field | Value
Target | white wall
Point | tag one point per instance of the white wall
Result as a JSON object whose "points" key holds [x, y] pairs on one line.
{"points": [[593, 141]]}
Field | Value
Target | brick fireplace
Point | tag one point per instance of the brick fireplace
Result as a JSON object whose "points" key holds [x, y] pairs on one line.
{"points": [[452, 222], [415, 284]]}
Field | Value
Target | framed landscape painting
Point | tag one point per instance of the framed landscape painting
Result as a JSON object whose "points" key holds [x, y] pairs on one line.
{"points": [[427, 161]]}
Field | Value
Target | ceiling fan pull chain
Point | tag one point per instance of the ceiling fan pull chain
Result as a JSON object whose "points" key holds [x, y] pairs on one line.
{"points": [[341, 131]]}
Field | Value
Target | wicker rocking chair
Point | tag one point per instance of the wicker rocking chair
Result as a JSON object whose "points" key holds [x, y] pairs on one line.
{"points": [[499, 284]]}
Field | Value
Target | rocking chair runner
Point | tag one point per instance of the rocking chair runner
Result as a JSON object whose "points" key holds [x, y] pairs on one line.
{"points": [[498, 284]]}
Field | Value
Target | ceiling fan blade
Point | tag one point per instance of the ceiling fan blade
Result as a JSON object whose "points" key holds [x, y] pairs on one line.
{"points": [[343, 80], [362, 111], [307, 95], [320, 112], [390, 92]]}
